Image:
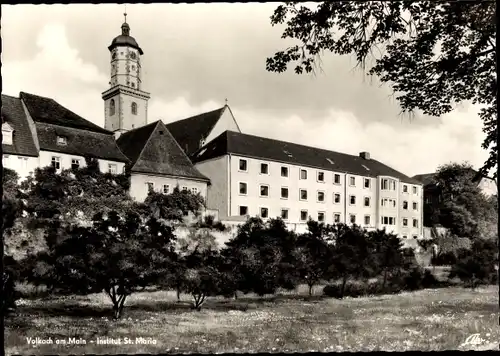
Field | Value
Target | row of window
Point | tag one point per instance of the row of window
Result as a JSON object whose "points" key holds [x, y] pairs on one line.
{"points": [[385, 184], [76, 163], [112, 107], [165, 189], [304, 216], [320, 196]]}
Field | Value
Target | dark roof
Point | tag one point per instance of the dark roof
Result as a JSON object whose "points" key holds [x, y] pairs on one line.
{"points": [[125, 39], [428, 177], [291, 153], [424, 178], [22, 138], [46, 110], [153, 149], [189, 132], [79, 142]]}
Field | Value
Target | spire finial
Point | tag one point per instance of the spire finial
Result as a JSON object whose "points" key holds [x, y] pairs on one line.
{"points": [[226, 101], [125, 13]]}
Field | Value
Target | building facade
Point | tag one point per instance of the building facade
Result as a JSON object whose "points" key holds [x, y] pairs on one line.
{"points": [[39, 132], [255, 176]]}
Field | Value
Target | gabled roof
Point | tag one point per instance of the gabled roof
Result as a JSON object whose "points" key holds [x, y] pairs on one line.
{"points": [[152, 149], [230, 142], [188, 132], [23, 142], [48, 111], [79, 142]]}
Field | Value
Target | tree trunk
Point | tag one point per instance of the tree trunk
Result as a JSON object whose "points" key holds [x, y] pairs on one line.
{"points": [[235, 295], [344, 281], [385, 280], [310, 288], [178, 294], [198, 301]]}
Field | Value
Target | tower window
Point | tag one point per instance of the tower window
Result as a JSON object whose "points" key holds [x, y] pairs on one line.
{"points": [[134, 108], [133, 85], [112, 107]]}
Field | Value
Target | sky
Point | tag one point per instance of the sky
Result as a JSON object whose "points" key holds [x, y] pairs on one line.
{"points": [[197, 55]]}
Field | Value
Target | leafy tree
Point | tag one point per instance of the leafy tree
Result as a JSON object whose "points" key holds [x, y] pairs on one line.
{"points": [[352, 257], [175, 206], [463, 208], [119, 253], [314, 253], [433, 54], [11, 204], [387, 252], [477, 264], [264, 256]]}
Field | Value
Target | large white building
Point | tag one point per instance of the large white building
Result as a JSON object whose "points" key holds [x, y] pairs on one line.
{"points": [[253, 175]]}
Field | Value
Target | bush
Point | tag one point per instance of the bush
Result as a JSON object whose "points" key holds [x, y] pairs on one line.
{"points": [[444, 259], [429, 281]]}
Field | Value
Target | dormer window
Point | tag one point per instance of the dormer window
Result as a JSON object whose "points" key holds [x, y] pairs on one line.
{"points": [[7, 132], [62, 141]]}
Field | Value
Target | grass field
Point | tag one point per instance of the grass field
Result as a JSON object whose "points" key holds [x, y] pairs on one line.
{"points": [[432, 319]]}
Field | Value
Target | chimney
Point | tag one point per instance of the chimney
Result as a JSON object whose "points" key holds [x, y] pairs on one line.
{"points": [[365, 155]]}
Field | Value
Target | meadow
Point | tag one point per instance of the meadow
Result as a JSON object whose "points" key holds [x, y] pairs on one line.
{"points": [[429, 319]]}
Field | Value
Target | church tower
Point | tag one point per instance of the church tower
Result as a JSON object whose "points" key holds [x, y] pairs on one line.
{"points": [[125, 104]]}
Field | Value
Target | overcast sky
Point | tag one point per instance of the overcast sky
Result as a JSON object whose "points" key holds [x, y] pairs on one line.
{"points": [[196, 55]]}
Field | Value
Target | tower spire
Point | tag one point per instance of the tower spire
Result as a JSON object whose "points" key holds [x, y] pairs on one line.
{"points": [[125, 13]]}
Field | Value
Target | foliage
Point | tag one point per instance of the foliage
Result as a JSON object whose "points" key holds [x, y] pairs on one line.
{"points": [[463, 208], [387, 251], [264, 256], [174, 206], [118, 253], [11, 204], [314, 253], [433, 54], [9, 276], [477, 265]]}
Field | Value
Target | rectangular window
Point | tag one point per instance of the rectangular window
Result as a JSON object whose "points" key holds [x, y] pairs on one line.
{"points": [[194, 190], [321, 216], [284, 171], [303, 215], [405, 222], [405, 188], [243, 188], [367, 201], [336, 198], [414, 206], [75, 163], [243, 165], [321, 196], [303, 174], [352, 181], [415, 223], [367, 183], [405, 237], [243, 210], [112, 168], [321, 176], [151, 186], [264, 213], [388, 184], [336, 218], [415, 236], [405, 205], [367, 220], [166, 189], [336, 178], [284, 214], [62, 141], [184, 189], [414, 190], [284, 192], [264, 190], [264, 168], [56, 162], [352, 218], [352, 200], [303, 194], [391, 220]]}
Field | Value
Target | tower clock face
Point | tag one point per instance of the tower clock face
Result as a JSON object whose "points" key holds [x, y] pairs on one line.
{"points": [[113, 56], [132, 55]]}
